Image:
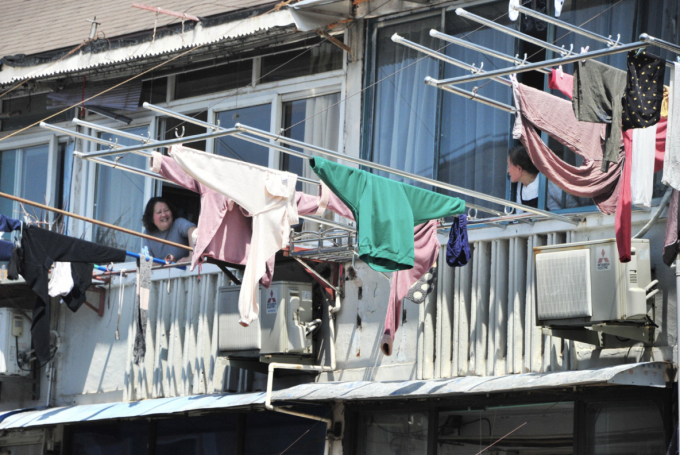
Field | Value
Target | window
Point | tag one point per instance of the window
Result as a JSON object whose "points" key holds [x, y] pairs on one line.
{"points": [[393, 433], [270, 432], [212, 435], [322, 56], [404, 108], [22, 111], [474, 138], [123, 438], [119, 197], [624, 428], [315, 121], [26, 173], [154, 91], [215, 79], [188, 203], [256, 116], [545, 428]]}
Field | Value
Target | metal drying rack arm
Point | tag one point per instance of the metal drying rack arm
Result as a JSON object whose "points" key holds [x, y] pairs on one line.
{"points": [[594, 36], [512, 32], [271, 145], [476, 47], [408, 175], [543, 64]]}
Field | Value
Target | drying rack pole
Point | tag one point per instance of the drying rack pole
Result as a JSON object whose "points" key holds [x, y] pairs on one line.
{"points": [[484, 50], [408, 175], [543, 64], [271, 145]]}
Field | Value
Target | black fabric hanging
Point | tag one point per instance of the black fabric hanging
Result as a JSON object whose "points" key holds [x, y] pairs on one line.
{"points": [[40, 248]]}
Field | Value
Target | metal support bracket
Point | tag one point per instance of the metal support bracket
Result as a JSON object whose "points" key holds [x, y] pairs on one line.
{"points": [[595, 334]]}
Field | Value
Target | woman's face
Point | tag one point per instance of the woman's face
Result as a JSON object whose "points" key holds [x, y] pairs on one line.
{"points": [[515, 172], [162, 216]]}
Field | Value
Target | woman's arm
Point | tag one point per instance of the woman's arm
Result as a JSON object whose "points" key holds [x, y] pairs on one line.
{"points": [[190, 238]]}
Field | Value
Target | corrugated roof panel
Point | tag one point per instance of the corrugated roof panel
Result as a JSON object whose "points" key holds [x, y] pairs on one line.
{"points": [[650, 374], [105, 411], [197, 36]]}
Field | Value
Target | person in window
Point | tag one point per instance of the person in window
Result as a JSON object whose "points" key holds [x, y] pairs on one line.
{"points": [[523, 172], [160, 221]]}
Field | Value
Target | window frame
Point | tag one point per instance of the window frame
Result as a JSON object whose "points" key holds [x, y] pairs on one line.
{"points": [[22, 143]]}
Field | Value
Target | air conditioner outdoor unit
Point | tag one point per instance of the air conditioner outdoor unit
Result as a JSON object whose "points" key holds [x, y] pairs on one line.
{"points": [[284, 325], [232, 337], [286, 318], [14, 331], [584, 284]]}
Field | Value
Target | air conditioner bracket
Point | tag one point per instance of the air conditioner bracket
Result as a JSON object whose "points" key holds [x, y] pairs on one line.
{"points": [[595, 334]]}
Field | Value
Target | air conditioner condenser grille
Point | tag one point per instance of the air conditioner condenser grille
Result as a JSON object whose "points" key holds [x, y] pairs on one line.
{"points": [[563, 284]]}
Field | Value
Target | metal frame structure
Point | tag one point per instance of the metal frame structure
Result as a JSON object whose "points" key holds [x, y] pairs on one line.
{"points": [[252, 136]]}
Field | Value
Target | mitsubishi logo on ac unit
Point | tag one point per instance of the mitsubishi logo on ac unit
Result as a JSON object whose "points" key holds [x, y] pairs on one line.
{"points": [[272, 305]]}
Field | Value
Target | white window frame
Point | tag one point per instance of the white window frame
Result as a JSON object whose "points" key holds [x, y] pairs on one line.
{"points": [[19, 145]]}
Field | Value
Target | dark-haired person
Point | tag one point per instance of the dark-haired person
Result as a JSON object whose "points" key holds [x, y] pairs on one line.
{"points": [[159, 220], [523, 172]]}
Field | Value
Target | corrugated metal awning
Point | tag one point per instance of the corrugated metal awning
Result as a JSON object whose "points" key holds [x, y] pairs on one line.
{"points": [[106, 411], [650, 374], [198, 36]]}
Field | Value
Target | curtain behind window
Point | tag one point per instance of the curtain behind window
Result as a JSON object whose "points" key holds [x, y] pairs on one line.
{"points": [[404, 113], [474, 137], [119, 197]]}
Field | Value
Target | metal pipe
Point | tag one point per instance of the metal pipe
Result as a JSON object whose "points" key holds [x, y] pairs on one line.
{"points": [[328, 223], [476, 47], [315, 273], [272, 366], [124, 167], [511, 31], [166, 143], [544, 64], [105, 129], [176, 115], [660, 43], [664, 201], [76, 134], [572, 28], [381, 167], [472, 96], [87, 137], [445, 58]]}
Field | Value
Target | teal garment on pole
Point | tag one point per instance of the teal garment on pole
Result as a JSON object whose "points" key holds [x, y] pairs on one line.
{"points": [[386, 211]]}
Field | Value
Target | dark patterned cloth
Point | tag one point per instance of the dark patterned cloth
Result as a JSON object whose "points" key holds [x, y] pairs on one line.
{"points": [[458, 247], [644, 90], [143, 292]]}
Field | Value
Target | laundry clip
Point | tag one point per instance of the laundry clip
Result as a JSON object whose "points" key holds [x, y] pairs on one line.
{"points": [[583, 51], [639, 51], [145, 253], [508, 210], [179, 135], [472, 215]]}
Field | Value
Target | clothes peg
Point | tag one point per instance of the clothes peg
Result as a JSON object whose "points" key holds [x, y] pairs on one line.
{"points": [[639, 51], [178, 135]]}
